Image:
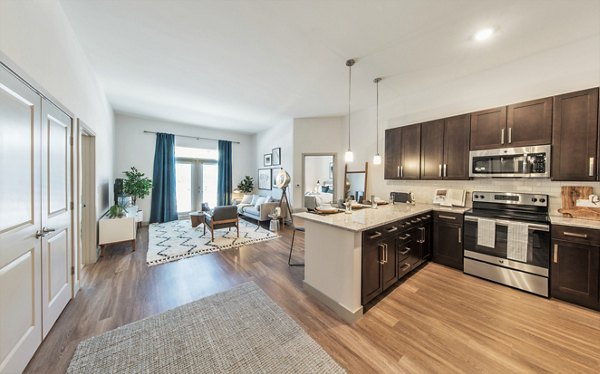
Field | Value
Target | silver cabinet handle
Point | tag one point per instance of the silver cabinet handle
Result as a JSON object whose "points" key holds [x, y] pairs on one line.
{"points": [[398, 174], [591, 171], [405, 252], [447, 217], [401, 171], [404, 267], [422, 229], [502, 136], [509, 135], [386, 253], [440, 170], [392, 229], [555, 253], [575, 235], [445, 170], [404, 237], [460, 235], [376, 235], [381, 254]]}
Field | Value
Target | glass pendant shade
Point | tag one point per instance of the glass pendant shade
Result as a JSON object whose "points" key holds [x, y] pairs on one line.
{"points": [[349, 156], [377, 159]]}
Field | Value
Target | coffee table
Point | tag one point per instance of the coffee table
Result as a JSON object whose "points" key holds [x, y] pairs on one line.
{"points": [[197, 218]]}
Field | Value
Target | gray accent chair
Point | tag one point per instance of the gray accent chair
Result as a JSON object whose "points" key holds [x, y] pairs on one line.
{"points": [[221, 217]]}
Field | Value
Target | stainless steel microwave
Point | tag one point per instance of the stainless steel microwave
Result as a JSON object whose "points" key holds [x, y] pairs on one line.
{"points": [[519, 162]]}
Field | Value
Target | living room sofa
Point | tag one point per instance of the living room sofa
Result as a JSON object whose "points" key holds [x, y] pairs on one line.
{"points": [[258, 211]]}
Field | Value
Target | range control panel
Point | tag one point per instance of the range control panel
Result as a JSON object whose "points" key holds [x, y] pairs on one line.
{"points": [[510, 198]]}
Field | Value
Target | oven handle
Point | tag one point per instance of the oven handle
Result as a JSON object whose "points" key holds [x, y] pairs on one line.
{"points": [[502, 222]]}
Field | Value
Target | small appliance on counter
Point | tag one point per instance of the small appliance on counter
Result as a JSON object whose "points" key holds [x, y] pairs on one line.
{"points": [[401, 197], [450, 197]]}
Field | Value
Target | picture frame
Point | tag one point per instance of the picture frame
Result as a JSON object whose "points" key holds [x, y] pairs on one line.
{"points": [[267, 159], [265, 179], [276, 160]]}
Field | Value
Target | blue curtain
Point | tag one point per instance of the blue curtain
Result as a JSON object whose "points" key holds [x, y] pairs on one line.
{"points": [[224, 185], [164, 200]]}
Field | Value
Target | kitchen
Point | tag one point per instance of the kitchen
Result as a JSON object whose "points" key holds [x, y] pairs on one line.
{"points": [[505, 237]]}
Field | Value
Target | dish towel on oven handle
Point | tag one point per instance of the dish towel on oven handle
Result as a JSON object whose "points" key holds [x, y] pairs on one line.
{"points": [[516, 241], [486, 232]]}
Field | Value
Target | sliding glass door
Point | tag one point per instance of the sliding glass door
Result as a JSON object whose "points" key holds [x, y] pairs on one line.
{"points": [[196, 184]]}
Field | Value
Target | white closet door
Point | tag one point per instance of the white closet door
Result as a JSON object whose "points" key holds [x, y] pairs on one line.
{"points": [[56, 213], [20, 214]]}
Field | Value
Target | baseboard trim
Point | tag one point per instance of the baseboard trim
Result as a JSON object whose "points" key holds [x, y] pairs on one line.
{"points": [[345, 314]]}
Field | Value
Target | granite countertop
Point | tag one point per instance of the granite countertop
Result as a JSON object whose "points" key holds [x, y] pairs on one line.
{"points": [[575, 222], [368, 218]]}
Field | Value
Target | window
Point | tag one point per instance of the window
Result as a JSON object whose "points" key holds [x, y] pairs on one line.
{"points": [[196, 175]]}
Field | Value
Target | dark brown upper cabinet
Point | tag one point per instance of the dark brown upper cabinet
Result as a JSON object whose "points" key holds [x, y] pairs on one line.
{"points": [[410, 168], [574, 134], [517, 125], [403, 152], [488, 128], [445, 148], [529, 123], [393, 155]]}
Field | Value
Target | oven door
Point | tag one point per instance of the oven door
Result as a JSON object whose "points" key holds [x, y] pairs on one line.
{"points": [[538, 247]]}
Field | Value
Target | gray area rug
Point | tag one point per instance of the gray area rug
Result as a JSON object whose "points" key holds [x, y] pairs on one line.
{"points": [[172, 241], [237, 331]]}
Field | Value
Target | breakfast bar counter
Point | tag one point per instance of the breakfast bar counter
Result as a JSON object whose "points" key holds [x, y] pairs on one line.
{"points": [[333, 252]]}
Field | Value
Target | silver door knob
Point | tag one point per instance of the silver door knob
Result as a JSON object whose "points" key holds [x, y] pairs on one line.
{"points": [[38, 234], [46, 230]]}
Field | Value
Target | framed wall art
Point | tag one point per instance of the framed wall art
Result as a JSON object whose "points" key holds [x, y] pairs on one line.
{"points": [[267, 159], [276, 156], [265, 179]]}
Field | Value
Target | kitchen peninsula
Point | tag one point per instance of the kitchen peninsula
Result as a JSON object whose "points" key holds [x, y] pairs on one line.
{"points": [[337, 251]]}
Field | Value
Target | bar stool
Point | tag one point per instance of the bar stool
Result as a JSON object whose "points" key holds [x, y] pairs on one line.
{"points": [[296, 228]]}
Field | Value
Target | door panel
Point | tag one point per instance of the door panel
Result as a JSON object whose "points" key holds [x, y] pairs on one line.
{"points": [[56, 215], [410, 168], [432, 149], [393, 153], [487, 127], [20, 265], [456, 147], [529, 123]]}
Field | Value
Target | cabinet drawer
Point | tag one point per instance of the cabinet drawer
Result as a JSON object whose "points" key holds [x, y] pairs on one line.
{"points": [[576, 234], [448, 217]]}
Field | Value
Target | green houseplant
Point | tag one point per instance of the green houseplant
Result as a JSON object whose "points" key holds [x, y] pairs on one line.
{"points": [[246, 185], [137, 185], [116, 211]]}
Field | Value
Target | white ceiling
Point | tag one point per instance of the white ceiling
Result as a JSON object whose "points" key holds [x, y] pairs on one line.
{"points": [[247, 65]]}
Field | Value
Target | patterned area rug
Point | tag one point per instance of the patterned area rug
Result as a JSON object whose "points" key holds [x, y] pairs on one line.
{"points": [[237, 331], [175, 240]]}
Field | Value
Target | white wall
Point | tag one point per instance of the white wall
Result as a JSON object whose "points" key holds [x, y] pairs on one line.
{"points": [[279, 136], [133, 147], [317, 135], [36, 39], [569, 68]]}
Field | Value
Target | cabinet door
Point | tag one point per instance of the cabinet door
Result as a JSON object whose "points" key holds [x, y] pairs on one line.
{"points": [[372, 256], [425, 231], [393, 155], [389, 270], [529, 123], [488, 128], [574, 273], [432, 149], [447, 244], [575, 126], [456, 147], [410, 168]]}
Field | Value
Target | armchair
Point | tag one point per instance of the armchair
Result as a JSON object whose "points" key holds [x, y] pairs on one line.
{"points": [[221, 217]]}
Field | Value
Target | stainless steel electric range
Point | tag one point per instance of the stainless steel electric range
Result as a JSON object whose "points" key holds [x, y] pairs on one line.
{"points": [[507, 240]]}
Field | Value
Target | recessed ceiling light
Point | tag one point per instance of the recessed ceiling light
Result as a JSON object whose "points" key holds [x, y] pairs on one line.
{"points": [[483, 34]]}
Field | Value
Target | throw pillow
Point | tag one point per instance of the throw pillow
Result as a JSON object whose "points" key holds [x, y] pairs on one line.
{"points": [[259, 201], [254, 198], [247, 199]]}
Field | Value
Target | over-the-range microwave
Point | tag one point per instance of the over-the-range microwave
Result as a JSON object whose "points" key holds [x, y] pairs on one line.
{"points": [[519, 162]]}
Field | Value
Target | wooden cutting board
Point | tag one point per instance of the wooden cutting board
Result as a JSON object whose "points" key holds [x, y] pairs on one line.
{"points": [[570, 195]]}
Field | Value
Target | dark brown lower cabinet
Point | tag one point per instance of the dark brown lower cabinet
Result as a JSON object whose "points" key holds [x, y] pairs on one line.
{"points": [[378, 264], [575, 266], [448, 239]]}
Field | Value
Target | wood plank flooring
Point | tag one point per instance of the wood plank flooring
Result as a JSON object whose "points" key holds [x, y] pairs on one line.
{"points": [[438, 320]]}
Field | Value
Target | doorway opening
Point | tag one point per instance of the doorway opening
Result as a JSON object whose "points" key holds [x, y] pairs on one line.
{"points": [[196, 179], [87, 246]]}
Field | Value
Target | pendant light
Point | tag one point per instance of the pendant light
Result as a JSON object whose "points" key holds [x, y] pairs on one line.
{"points": [[377, 157], [349, 155]]}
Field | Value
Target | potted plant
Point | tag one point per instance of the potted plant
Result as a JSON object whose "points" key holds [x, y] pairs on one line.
{"points": [[136, 185], [116, 211], [246, 185]]}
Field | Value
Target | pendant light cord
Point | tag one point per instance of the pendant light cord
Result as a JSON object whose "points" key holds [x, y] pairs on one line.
{"points": [[349, 100], [377, 121]]}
